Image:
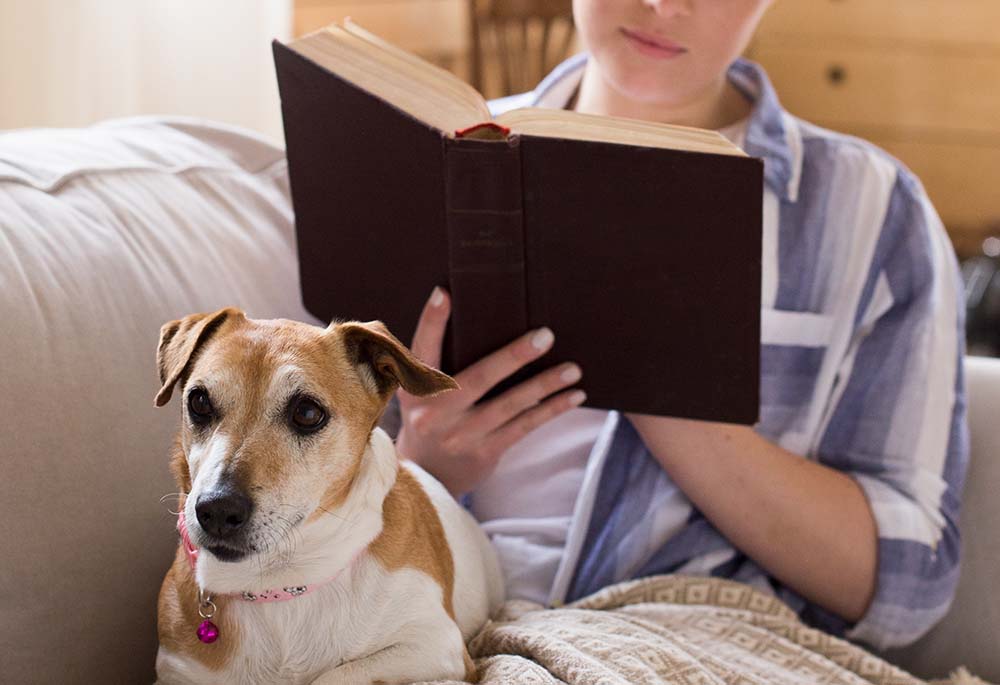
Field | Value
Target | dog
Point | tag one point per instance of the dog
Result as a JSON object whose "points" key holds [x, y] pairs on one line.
{"points": [[310, 553]]}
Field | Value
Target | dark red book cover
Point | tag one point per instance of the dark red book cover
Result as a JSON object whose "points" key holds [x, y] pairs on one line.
{"points": [[645, 262]]}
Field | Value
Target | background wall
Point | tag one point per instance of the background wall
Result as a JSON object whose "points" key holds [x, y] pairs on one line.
{"points": [[75, 62], [916, 77]]}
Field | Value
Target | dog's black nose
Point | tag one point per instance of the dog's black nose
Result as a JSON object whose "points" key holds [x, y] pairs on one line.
{"points": [[223, 512]]}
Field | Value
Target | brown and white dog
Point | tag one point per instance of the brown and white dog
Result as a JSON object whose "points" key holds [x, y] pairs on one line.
{"points": [[292, 492]]}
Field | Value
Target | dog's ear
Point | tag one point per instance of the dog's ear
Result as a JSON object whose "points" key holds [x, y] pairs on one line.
{"points": [[386, 363], [180, 341]]}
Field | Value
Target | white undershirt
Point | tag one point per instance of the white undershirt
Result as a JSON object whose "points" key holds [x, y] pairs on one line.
{"points": [[526, 504]]}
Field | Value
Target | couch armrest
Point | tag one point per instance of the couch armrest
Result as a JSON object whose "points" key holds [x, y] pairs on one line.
{"points": [[967, 635]]}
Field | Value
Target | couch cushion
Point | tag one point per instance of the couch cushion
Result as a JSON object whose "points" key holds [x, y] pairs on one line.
{"points": [[106, 233], [967, 635]]}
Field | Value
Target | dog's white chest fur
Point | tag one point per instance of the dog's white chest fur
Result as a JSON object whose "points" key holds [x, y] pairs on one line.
{"points": [[299, 640]]}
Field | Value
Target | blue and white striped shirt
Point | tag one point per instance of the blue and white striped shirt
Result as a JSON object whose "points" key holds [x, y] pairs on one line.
{"points": [[862, 340]]}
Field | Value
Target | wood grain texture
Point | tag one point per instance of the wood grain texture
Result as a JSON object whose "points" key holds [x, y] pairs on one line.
{"points": [[961, 24], [916, 77]]}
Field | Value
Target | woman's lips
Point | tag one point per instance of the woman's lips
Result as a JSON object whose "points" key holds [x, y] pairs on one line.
{"points": [[653, 46]]}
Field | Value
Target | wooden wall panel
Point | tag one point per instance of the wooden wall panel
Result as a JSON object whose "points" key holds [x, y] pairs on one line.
{"points": [[919, 78], [954, 24]]}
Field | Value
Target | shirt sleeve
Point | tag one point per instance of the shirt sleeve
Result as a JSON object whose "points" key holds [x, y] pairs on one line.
{"points": [[896, 421]]}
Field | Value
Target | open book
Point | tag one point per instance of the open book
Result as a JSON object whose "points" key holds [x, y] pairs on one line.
{"points": [[438, 97], [638, 243]]}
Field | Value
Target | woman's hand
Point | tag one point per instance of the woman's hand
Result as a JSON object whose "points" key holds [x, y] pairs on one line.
{"points": [[460, 444]]}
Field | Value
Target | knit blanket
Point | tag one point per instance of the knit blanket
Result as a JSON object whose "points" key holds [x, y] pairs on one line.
{"points": [[671, 629]]}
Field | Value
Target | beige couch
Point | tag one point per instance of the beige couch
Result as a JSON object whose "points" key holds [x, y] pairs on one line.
{"points": [[107, 232]]}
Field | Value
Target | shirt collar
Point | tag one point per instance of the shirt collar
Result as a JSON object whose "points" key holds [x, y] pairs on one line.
{"points": [[772, 134]]}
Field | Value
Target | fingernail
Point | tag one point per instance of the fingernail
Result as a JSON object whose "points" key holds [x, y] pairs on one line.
{"points": [[577, 397], [437, 296], [572, 374], [543, 338]]}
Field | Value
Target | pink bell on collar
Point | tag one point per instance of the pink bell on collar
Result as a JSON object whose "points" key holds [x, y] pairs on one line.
{"points": [[208, 632]]}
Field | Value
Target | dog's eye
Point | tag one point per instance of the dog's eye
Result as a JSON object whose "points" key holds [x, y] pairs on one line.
{"points": [[306, 415], [199, 406]]}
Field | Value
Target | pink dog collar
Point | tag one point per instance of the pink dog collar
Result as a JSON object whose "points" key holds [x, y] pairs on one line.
{"points": [[208, 632]]}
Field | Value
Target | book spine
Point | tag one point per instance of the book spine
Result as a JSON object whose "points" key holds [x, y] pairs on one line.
{"points": [[484, 215]]}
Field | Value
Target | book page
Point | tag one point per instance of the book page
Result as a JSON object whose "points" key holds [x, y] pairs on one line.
{"points": [[460, 88], [441, 99], [559, 123], [415, 86]]}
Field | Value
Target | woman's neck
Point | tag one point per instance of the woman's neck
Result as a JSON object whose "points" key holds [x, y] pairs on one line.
{"points": [[715, 107]]}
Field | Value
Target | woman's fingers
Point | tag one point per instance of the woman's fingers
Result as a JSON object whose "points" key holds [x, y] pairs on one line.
{"points": [[497, 412], [499, 441], [429, 336], [454, 440], [477, 379]]}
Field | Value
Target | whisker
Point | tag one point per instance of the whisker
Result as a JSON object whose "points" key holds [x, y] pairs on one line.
{"points": [[178, 495], [284, 547], [283, 537], [292, 536], [337, 516], [264, 569]]}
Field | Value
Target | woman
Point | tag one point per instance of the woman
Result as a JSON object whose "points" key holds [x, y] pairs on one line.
{"points": [[862, 341]]}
